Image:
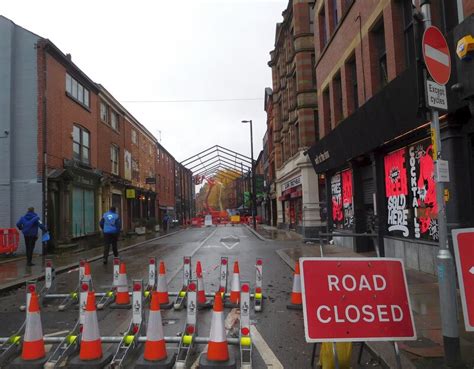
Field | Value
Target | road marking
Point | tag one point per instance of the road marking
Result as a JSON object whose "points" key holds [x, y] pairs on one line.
{"points": [[192, 254], [271, 361]]}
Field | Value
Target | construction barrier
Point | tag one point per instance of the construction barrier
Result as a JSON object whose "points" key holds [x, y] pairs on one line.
{"points": [[9, 240]]}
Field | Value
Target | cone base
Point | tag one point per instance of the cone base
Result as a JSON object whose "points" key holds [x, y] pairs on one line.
{"points": [[294, 307], [166, 306], [120, 306], [204, 363], [167, 363], [19, 363], [77, 363]]}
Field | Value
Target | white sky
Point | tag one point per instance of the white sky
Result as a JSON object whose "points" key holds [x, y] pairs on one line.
{"points": [[170, 50]]}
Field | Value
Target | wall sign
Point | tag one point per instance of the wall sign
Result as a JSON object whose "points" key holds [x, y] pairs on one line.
{"points": [[291, 183]]}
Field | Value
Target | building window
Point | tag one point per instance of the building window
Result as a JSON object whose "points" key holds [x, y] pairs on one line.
{"points": [[104, 112], [77, 91], [326, 111], [323, 37], [134, 136], [352, 85], [313, 70], [335, 15], [408, 32], [311, 17], [337, 109], [316, 125], [135, 170], [114, 159], [381, 52], [81, 144], [114, 120]]}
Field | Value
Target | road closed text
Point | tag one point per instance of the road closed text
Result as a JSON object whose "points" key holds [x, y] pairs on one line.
{"points": [[354, 313]]}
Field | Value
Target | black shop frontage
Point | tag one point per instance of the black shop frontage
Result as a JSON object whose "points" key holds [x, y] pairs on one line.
{"points": [[379, 172]]}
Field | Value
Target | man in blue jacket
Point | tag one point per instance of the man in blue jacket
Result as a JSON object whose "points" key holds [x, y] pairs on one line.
{"points": [[111, 225], [28, 225]]}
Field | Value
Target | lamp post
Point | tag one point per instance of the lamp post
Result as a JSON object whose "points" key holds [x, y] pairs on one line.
{"points": [[254, 193]]}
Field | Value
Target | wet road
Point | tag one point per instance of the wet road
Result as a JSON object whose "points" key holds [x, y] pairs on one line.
{"points": [[280, 332]]}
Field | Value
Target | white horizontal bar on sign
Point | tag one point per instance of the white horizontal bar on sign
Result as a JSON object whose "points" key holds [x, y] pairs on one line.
{"points": [[437, 55]]}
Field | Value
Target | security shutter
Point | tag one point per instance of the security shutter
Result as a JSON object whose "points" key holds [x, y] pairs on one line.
{"points": [[368, 185]]}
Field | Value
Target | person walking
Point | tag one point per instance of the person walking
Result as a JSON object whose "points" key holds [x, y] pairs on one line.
{"points": [[166, 220], [111, 225], [28, 225]]}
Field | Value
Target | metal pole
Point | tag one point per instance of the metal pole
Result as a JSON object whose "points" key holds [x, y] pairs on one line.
{"points": [[397, 355], [254, 194], [445, 263], [334, 354]]}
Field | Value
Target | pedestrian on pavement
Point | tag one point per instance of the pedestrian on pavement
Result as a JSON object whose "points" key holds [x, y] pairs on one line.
{"points": [[111, 225], [28, 225], [166, 220]]}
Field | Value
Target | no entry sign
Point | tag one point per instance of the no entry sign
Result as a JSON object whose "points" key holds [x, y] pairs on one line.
{"points": [[355, 299], [463, 242], [436, 55]]}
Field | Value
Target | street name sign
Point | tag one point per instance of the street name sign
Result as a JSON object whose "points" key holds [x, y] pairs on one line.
{"points": [[463, 242], [355, 299], [436, 55]]}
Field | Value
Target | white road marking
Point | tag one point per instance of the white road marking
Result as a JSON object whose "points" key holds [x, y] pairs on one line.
{"points": [[271, 361], [436, 55]]}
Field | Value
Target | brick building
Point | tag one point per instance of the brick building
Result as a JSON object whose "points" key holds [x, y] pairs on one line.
{"points": [[375, 151], [70, 149], [295, 117]]}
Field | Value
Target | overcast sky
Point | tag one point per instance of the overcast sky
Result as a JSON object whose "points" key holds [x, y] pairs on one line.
{"points": [[170, 50]]}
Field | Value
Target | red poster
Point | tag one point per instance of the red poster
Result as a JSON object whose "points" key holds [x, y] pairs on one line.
{"points": [[395, 173], [346, 187]]}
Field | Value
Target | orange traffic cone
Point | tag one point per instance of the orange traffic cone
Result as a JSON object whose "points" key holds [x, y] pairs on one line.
{"points": [[162, 288], [33, 354], [234, 299], [218, 355], [90, 352], [296, 298], [202, 302], [155, 354], [122, 297]]}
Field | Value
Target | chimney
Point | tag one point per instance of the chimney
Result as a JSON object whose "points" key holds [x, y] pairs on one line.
{"points": [[68, 56]]}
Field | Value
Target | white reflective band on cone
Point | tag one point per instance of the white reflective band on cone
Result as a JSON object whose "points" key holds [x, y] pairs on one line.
{"points": [[154, 331], [217, 327], [162, 283], [235, 282], [297, 283], [35, 331], [122, 285], [90, 331]]}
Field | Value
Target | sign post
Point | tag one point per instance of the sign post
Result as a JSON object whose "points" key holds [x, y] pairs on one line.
{"points": [[463, 242], [437, 60]]}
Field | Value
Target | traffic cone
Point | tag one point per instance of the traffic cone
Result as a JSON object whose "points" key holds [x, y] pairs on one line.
{"points": [[33, 354], [202, 302], [122, 297], [234, 299], [218, 355], [155, 354], [296, 302], [162, 288], [90, 352]]}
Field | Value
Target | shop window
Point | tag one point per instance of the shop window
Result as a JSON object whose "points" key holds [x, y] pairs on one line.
{"points": [[81, 144], [83, 212], [412, 209]]}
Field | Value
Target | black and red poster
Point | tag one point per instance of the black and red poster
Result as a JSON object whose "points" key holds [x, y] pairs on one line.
{"points": [[411, 192], [341, 193]]}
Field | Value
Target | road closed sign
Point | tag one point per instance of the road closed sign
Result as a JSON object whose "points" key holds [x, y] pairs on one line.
{"points": [[355, 299]]}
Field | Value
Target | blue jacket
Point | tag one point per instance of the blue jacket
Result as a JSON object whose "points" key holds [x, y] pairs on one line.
{"points": [[29, 224], [110, 223]]}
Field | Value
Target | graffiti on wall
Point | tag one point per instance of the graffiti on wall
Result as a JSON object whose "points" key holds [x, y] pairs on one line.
{"points": [[411, 193]]}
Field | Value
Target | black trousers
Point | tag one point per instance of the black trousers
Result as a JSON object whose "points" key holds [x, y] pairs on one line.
{"points": [[110, 239], [30, 242]]}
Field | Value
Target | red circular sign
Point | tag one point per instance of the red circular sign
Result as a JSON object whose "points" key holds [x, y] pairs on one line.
{"points": [[436, 55]]}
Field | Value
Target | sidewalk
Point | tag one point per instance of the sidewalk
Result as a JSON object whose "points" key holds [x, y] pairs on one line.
{"points": [[427, 350], [14, 272]]}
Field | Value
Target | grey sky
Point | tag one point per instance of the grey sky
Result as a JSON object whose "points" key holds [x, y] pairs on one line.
{"points": [[170, 50]]}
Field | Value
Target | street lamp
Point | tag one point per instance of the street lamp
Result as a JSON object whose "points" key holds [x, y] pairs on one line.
{"points": [[254, 193]]}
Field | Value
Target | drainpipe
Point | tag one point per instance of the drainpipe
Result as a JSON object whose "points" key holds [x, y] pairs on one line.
{"points": [[44, 141]]}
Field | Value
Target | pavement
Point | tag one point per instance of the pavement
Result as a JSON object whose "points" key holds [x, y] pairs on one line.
{"points": [[14, 272], [427, 351]]}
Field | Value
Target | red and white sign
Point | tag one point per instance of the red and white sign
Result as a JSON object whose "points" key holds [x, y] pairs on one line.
{"points": [[355, 299], [436, 55], [463, 242]]}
